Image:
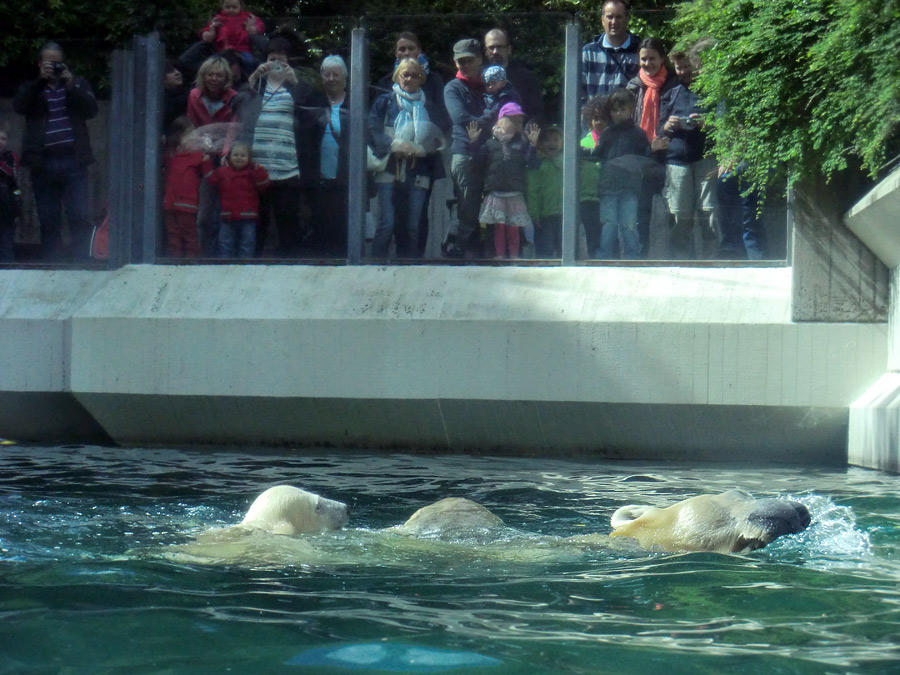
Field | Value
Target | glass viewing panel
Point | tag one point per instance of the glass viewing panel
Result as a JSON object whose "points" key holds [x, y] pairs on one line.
{"points": [[253, 159], [54, 168]]}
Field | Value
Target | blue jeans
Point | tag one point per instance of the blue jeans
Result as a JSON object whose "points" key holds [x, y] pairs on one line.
{"points": [[400, 205], [237, 238], [740, 223], [590, 219], [619, 215], [548, 237], [61, 182], [7, 240]]}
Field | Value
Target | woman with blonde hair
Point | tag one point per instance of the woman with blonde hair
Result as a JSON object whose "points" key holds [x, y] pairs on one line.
{"points": [[401, 126], [211, 98], [210, 102]]}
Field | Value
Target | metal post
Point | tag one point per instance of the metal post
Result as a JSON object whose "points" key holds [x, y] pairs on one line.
{"points": [[571, 128], [789, 225], [138, 132], [357, 189], [152, 87], [121, 145]]}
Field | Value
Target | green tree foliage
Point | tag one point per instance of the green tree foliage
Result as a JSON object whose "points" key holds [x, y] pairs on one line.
{"points": [[806, 88], [90, 30]]}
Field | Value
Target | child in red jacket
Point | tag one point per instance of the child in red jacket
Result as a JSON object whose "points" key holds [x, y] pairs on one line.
{"points": [[184, 169], [231, 28], [239, 183]]}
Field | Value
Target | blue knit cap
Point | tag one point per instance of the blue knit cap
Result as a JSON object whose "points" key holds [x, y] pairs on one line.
{"points": [[494, 74]]}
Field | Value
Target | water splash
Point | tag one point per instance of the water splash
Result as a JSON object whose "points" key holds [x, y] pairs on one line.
{"points": [[834, 529], [833, 541]]}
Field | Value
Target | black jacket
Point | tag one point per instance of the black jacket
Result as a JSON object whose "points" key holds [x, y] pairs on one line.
{"points": [[81, 106], [686, 145], [506, 171], [320, 123]]}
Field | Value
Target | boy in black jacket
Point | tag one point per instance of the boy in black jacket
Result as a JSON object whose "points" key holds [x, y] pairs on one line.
{"points": [[624, 151]]}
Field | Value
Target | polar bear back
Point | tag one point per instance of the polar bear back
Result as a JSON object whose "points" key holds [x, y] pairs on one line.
{"points": [[285, 509], [453, 516]]}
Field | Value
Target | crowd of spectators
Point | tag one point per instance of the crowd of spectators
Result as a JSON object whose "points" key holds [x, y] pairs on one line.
{"points": [[256, 158]]}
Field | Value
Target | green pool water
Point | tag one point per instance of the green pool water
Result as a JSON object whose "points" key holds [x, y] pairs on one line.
{"points": [[88, 582]]}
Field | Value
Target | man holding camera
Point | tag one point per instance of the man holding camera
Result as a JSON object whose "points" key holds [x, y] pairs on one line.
{"points": [[691, 171], [57, 151]]}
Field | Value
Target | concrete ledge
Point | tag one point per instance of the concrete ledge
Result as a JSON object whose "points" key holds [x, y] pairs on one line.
{"points": [[874, 220], [613, 430], [624, 362], [53, 417]]}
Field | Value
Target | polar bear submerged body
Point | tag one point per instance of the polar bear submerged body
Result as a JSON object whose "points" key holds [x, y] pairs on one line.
{"points": [[450, 517]]}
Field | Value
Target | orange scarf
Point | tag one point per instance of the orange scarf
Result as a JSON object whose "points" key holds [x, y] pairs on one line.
{"points": [[650, 108]]}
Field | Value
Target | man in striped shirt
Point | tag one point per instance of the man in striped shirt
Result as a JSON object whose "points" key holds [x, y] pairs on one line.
{"points": [[57, 151], [610, 60]]}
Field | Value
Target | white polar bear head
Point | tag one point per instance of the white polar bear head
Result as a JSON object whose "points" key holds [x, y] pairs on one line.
{"points": [[284, 509], [450, 517], [731, 522]]}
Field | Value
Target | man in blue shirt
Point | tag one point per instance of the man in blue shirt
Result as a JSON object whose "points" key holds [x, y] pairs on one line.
{"points": [[610, 60]]}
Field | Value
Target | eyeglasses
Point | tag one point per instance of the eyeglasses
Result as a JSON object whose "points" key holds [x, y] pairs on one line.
{"points": [[410, 76]]}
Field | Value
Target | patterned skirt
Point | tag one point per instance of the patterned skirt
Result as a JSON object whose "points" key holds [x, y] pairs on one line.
{"points": [[504, 207]]}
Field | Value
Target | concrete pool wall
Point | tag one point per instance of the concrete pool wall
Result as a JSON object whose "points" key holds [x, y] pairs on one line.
{"points": [[643, 362]]}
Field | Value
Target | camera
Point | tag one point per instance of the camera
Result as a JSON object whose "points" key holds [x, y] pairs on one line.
{"points": [[58, 67], [277, 67]]}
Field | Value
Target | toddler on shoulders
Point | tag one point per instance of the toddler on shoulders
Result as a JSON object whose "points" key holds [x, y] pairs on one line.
{"points": [[231, 28]]}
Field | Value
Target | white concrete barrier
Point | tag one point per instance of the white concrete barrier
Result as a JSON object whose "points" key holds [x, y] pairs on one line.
{"points": [[874, 430], [624, 362]]}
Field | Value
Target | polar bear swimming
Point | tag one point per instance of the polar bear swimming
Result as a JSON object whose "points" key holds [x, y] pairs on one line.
{"points": [[730, 522], [285, 509], [260, 537]]}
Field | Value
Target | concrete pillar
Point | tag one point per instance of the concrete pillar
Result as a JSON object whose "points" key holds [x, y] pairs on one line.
{"points": [[836, 277], [874, 428]]}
